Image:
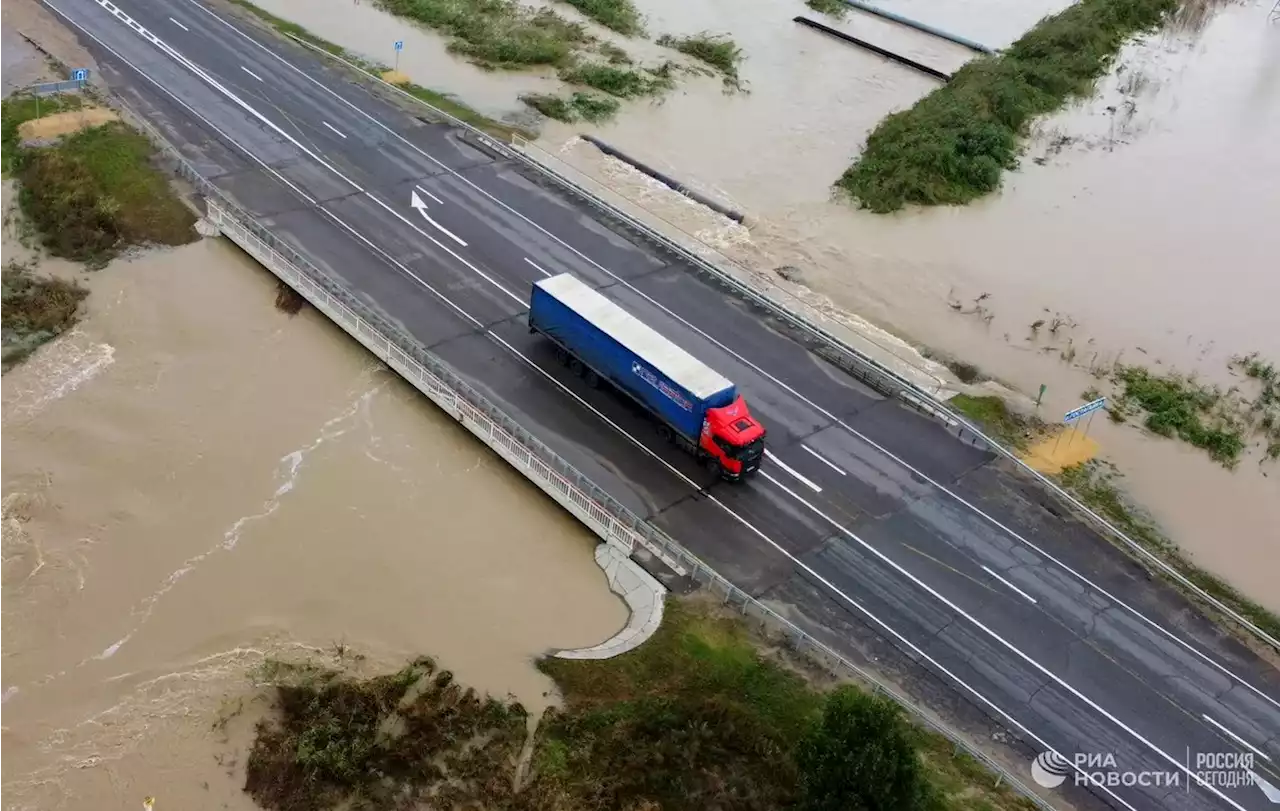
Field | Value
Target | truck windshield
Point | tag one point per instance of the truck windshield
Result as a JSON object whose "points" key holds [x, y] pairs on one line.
{"points": [[745, 453]]}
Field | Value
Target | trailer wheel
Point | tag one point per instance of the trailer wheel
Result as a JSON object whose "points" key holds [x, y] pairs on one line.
{"points": [[562, 356], [593, 379], [576, 367], [665, 433]]}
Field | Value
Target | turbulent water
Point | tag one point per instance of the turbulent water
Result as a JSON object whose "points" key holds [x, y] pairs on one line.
{"points": [[194, 480]]}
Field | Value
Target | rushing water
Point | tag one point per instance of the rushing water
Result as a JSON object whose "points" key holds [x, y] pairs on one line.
{"points": [[194, 480]]}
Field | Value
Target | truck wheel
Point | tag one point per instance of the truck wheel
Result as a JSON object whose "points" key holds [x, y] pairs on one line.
{"points": [[576, 367], [665, 433], [712, 465], [562, 356], [593, 379]]}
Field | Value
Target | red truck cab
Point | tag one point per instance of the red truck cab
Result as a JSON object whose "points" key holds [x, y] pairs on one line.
{"points": [[734, 439]]}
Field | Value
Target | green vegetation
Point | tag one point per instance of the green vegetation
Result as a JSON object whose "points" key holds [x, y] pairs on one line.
{"points": [[579, 106], [621, 82], [384, 743], [619, 15], [952, 146], [497, 34], [1179, 406], [1094, 483], [19, 109], [1262, 413], [831, 8], [994, 416], [716, 50], [95, 193], [695, 718], [443, 101], [37, 309]]}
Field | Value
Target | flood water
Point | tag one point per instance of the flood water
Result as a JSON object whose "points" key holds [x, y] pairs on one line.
{"points": [[194, 480], [1146, 228]]}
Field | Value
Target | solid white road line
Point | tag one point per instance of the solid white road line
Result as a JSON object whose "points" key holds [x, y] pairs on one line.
{"points": [[386, 256], [251, 73], [1233, 736], [815, 488], [824, 460], [429, 194], [989, 571], [537, 267], [180, 25], [248, 108], [1080, 577], [1015, 650], [335, 130]]}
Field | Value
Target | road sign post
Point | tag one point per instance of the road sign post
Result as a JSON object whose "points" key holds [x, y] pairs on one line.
{"points": [[399, 48], [1075, 414]]}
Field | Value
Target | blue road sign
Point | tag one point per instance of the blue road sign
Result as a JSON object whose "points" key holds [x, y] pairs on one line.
{"points": [[1077, 413], [399, 45], [80, 75]]}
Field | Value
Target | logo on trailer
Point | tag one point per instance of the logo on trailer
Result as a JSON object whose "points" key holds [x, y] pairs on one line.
{"points": [[661, 385]]}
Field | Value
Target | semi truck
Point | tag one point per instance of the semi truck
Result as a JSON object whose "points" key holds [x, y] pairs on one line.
{"points": [[694, 406]]}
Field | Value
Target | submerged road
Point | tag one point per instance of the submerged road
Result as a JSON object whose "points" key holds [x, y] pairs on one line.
{"points": [[870, 526]]}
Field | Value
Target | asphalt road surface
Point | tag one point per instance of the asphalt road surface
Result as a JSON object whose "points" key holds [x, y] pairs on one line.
{"points": [[870, 526]]}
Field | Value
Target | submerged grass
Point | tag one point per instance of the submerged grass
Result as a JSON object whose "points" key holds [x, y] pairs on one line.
{"points": [[716, 50], [1094, 483], [623, 83], [831, 8], [578, 107], [695, 718], [497, 34], [619, 15], [96, 193], [1175, 405], [953, 145], [37, 309]]}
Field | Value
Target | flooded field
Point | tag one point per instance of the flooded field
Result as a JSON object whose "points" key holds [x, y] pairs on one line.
{"points": [[194, 480], [1139, 217]]}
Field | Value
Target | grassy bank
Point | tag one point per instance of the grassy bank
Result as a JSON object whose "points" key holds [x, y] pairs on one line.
{"points": [[37, 309], [831, 8], [96, 193], [442, 101], [576, 107], [952, 146], [998, 421], [695, 718], [1095, 484]]}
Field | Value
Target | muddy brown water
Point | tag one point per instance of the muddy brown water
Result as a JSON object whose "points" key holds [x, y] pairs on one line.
{"points": [[193, 481], [1147, 227]]}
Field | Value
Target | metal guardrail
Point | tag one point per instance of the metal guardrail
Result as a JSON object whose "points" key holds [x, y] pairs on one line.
{"points": [[599, 511], [53, 88], [831, 347]]}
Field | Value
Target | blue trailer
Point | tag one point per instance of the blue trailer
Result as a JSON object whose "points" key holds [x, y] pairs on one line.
{"points": [[695, 406]]}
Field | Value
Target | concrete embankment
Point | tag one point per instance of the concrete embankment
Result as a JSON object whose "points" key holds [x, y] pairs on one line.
{"points": [[643, 595]]}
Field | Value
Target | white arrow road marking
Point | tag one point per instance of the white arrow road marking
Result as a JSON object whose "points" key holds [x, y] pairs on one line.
{"points": [[815, 488], [1271, 792], [421, 207]]}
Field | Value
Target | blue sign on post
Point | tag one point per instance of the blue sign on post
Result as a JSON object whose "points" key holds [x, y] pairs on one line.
{"points": [[80, 75], [1076, 413], [399, 45]]}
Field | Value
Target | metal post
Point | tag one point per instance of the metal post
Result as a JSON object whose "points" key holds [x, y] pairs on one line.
{"points": [[1088, 424]]}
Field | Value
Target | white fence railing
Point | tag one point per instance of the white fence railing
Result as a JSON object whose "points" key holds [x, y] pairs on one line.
{"points": [[597, 510], [828, 345]]}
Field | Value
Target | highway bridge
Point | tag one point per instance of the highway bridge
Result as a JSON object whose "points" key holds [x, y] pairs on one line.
{"points": [[872, 527]]}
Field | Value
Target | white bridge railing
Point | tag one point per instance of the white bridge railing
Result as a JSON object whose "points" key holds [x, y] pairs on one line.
{"points": [[594, 507]]}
